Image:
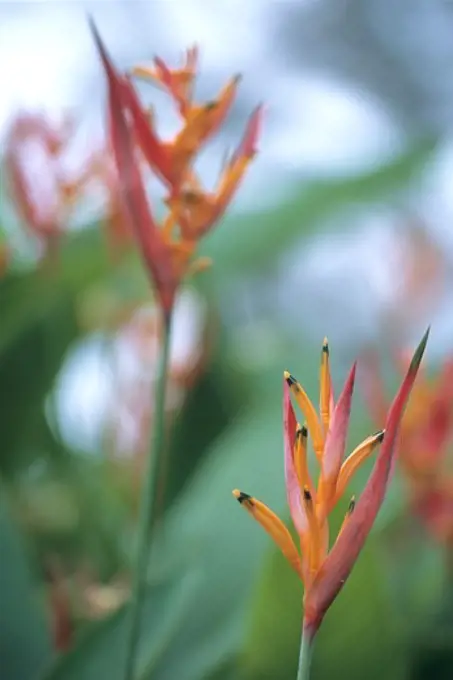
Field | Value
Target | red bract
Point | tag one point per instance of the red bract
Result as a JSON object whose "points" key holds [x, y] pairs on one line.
{"points": [[156, 255], [324, 572]]}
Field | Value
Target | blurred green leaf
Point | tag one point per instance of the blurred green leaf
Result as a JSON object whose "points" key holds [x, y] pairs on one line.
{"points": [[25, 645]]}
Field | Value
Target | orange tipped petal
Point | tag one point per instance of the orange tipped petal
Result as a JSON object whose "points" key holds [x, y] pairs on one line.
{"points": [[134, 196], [325, 383], [309, 411], [300, 460], [335, 445], [223, 104], [338, 564], [316, 552], [273, 525], [355, 460]]}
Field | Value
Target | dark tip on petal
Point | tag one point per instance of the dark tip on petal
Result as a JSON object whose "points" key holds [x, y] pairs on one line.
{"points": [[290, 379], [379, 435], [351, 505], [307, 494], [325, 346], [241, 496], [209, 106], [237, 78], [418, 355], [302, 431]]}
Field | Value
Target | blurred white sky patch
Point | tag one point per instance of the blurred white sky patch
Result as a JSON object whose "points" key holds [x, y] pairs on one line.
{"points": [[327, 129], [82, 392]]}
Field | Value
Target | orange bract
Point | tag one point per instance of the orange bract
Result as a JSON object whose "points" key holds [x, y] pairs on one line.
{"points": [[168, 248], [324, 572]]}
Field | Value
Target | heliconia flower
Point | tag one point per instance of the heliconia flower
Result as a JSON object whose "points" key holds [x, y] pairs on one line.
{"points": [[168, 248], [425, 437], [325, 571]]}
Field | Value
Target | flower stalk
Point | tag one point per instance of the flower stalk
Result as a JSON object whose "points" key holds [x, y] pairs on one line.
{"points": [[305, 654], [148, 507]]}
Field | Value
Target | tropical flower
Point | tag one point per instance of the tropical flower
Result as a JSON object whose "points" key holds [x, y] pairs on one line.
{"points": [[323, 571], [424, 442], [168, 248]]}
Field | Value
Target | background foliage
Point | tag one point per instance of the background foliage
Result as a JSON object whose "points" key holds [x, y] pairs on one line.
{"points": [[221, 602]]}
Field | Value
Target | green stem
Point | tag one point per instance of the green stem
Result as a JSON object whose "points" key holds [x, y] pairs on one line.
{"points": [[148, 510], [305, 654]]}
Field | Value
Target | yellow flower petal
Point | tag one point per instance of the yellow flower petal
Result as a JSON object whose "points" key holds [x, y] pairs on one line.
{"points": [[300, 458], [356, 458], [324, 398], [274, 526], [316, 555], [309, 412]]}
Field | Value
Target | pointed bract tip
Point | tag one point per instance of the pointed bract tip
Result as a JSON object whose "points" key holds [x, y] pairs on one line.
{"points": [[106, 61], [93, 28], [237, 78], [241, 496], [418, 354], [325, 346]]}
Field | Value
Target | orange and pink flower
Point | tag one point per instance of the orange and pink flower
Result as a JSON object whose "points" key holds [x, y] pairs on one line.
{"points": [[324, 571]]}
